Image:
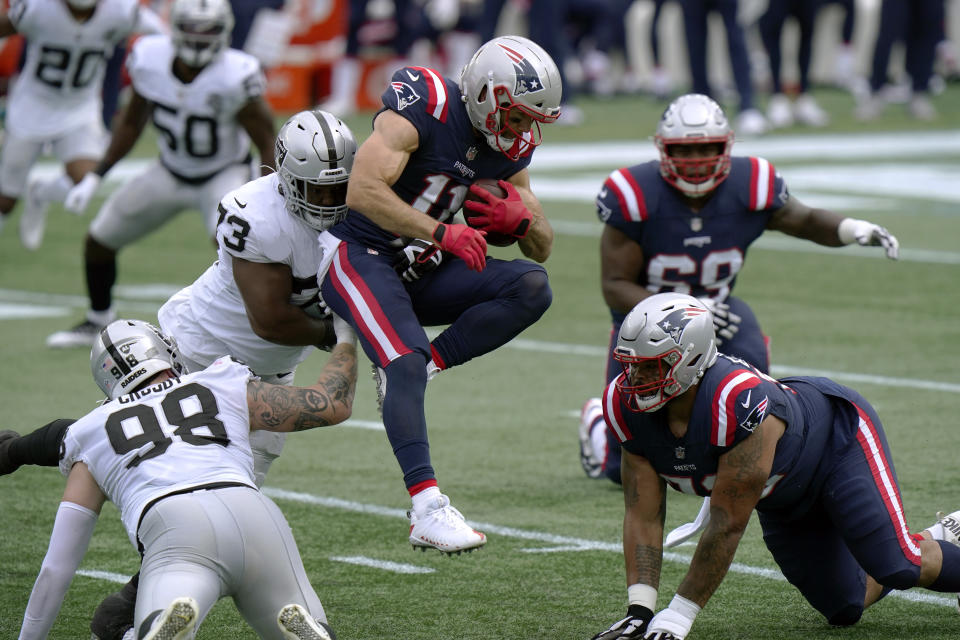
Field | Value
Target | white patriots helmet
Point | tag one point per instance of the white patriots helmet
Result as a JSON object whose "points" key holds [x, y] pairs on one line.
{"points": [[505, 73], [314, 155], [665, 345], [694, 119], [200, 29], [130, 352]]}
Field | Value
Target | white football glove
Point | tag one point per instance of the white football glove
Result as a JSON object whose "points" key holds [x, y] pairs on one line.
{"points": [[80, 194], [668, 625], [417, 259], [344, 332], [725, 322], [868, 234]]}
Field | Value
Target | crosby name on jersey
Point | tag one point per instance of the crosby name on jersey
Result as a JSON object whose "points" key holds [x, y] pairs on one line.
{"points": [[197, 122], [188, 431]]}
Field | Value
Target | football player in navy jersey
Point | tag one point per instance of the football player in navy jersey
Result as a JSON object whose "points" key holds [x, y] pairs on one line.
{"points": [[433, 138], [684, 224], [809, 454]]}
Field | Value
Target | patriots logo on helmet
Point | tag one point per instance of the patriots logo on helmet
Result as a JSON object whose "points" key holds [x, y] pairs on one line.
{"points": [[406, 96], [528, 81], [674, 324]]}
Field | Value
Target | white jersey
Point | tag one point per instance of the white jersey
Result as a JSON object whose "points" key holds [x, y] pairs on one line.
{"points": [[59, 88], [181, 433], [197, 121], [209, 316]]}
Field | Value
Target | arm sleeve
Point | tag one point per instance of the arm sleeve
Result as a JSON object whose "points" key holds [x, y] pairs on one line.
{"points": [[72, 531]]}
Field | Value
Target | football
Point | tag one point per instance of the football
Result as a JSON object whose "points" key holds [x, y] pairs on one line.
{"points": [[488, 184]]}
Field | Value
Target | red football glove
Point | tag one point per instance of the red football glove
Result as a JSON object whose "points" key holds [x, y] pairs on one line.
{"points": [[500, 215], [464, 242]]}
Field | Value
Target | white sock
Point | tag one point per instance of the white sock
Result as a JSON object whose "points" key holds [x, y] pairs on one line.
{"points": [[344, 81], [424, 500], [598, 438], [432, 370], [102, 318]]}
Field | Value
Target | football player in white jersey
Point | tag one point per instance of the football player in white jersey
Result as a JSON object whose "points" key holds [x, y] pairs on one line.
{"points": [[258, 302], [56, 98], [207, 104], [184, 486]]}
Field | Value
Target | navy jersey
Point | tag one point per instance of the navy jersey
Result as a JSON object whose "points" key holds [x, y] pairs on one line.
{"points": [[732, 400], [451, 155], [697, 253]]}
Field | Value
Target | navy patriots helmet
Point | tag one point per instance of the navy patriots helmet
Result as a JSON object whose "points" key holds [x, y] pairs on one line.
{"points": [[665, 345], [506, 73]]}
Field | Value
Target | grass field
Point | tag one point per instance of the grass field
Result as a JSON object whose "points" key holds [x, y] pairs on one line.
{"points": [[503, 428]]}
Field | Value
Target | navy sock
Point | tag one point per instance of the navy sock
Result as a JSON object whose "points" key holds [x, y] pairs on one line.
{"points": [[403, 416], [949, 579]]}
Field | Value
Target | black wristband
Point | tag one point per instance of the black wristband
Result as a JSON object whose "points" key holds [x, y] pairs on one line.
{"points": [[438, 232], [640, 611]]}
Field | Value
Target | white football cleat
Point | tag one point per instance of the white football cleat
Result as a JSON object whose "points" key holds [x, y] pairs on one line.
{"points": [[443, 528], [779, 111], [33, 219], [297, 624], [808, 112], [590, 459], [80, 335], [951, 526], [177, 620], [750, 123]]}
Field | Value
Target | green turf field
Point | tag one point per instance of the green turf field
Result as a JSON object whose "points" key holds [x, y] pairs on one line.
{"points": [[503, 428]]}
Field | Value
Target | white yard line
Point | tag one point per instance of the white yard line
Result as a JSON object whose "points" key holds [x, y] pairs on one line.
{"points": [[47, 302]]}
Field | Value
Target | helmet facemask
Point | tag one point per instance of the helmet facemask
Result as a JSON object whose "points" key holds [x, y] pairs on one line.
{"points": [[665, 345], [82, 5], [694, 119], [314, 155], [511, 75], [200, 30]]}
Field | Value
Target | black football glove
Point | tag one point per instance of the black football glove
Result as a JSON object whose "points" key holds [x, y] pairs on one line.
{"points": [[630, 628], [416, 259]]}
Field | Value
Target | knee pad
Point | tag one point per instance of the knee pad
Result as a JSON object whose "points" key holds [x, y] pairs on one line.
{"points": [[900, 580], [847, 616], [534, 291]]}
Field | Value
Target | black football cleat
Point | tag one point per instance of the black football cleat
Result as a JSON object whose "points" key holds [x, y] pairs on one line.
{"points": [[114, 616]]}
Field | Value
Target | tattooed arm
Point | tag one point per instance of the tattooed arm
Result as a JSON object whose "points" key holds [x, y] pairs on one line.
{"points": [[329, 401], [645, 507], [741, 475]]}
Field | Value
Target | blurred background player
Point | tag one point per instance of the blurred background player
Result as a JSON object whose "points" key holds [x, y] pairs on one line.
{"points": [[206, 102], [750, 122], [257, 302], [56, 98], [782, 111], [684, 224], [185, 488], [808, 454], [433, 138], [919, 25]]}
